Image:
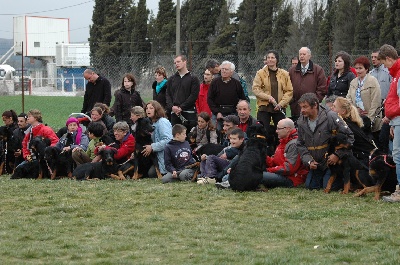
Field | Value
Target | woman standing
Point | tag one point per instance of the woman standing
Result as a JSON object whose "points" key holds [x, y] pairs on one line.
{"points": [[162, 134], [126, 98], [341, 78], [365, 94], [273, 90], [160, 86]]}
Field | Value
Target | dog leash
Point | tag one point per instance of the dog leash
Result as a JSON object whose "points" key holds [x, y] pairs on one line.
{"points": [[384, 160]]}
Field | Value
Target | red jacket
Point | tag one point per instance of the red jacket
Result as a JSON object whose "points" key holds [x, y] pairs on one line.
{"points": [[38, 130], [286, 160], [201, 102], [125, 149], [392, 103]]}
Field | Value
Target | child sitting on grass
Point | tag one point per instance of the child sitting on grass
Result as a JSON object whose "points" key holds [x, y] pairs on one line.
{"points": [[211, 165], [95, 131], [178, 155]]}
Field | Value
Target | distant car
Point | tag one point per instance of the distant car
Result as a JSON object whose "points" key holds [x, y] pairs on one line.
{"points": [[17, 79]]}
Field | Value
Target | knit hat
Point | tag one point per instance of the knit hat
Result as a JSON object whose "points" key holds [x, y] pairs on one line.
{"points": [[232, 118], [78, 132]]}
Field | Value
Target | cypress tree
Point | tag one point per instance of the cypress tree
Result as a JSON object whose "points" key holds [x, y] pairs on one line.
{"points": [[325, 32], [139, 39], [281, 31], [362, 33], [344, 27], [246, 15], [202, 18], [98, 18], [163, 37], [376, 21]]}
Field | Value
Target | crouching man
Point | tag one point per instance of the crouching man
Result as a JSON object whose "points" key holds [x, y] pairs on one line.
{"points": [[284, 168]]}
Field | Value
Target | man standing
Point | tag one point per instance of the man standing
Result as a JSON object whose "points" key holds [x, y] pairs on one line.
{"points": [[214, 67], [98, 89], [307, 77], [201, 102], [389, 57], [224, 93], [284, 168], [381, 73], [182, 92], [316, 126]]}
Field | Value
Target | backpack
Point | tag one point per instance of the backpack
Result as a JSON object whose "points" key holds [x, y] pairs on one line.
{"points": [[244, 86]]}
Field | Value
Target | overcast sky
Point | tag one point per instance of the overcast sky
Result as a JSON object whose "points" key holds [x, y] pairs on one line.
{"points": [[79, 13]]}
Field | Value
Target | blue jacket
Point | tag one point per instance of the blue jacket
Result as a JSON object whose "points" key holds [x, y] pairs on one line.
{"points": [[177, 156], [161, 136]]}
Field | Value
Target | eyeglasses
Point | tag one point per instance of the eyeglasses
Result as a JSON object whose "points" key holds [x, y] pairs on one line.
{"points": [[278, 129]]}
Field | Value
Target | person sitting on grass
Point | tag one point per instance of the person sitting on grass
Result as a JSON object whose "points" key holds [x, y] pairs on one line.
{"points": [[95, 131], [37, 129], [204, 132], [124, 143], [73, 139], [178, 155], [212, 165]]}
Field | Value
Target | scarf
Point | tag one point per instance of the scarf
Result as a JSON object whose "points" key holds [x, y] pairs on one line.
{"points": [[160, 85]]}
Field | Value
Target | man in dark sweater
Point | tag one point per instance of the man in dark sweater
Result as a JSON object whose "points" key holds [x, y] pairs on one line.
{"points": [[98, 89], [224, 94], [182, 92]]}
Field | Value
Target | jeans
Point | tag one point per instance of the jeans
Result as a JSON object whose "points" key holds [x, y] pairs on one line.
{"points": [[185, 174], [318, 179], [272, 180], [396, 150]]}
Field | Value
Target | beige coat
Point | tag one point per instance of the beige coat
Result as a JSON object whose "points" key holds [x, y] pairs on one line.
{"points": [[370, 96], [262, 87]]}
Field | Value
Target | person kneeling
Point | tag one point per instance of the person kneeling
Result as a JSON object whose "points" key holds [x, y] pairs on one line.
{"points": [[284, 168], [178, 155]]}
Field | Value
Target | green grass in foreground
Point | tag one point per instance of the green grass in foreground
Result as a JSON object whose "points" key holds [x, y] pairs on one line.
{"points": [[146, 222]]}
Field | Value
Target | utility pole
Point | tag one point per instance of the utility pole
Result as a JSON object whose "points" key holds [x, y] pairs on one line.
{"points": [[178, 28]]}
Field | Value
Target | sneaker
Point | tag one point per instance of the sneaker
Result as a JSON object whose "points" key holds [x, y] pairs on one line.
{"points": [[394, 197], [223, 185], [206, 181]]}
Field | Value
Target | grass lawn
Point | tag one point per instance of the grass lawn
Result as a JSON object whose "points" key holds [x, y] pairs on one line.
{"points": [[146, 222]]}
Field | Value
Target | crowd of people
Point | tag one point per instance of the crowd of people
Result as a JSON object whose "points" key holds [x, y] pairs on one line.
{"points": [[187, 114]]}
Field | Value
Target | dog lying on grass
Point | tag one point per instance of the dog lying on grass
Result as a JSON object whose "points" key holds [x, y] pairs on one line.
{"points": [[345, 166], [106, 168], [383, 170], [247, 173], [59, 163]]}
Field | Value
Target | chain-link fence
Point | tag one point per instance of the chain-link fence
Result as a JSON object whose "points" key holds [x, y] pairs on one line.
{"points": [[143, 65]]}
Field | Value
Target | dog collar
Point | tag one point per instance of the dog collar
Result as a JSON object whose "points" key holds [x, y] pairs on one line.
{"points": [[260, 136], [384, 160]]}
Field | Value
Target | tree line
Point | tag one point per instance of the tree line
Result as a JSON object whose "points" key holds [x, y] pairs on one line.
{"points": [[122, 28]]}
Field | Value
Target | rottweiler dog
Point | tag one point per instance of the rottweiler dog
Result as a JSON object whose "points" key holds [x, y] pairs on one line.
{"points": [[247, 173], [38, 146], [106, 168], [36, 166], [345, 166], [141, 164], [7, 148], [382, 169], [60, 164]]}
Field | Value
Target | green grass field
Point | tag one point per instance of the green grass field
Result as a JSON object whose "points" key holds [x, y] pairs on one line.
{"points": [[146, 222]]}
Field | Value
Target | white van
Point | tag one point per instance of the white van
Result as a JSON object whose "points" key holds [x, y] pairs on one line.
{"points": [[7, 72]]}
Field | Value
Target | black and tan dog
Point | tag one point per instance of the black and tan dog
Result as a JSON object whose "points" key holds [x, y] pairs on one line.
{"points": [[106, 168], [345, 166], [59, 163], [383, 171], [141, 164], [36, 166], [247, 173]]}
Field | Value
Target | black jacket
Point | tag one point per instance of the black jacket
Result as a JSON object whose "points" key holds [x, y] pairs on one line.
{"points": [[161, 96], [182, 92], [222, 94], [124, 101], [98, 92], [339, 86]]}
